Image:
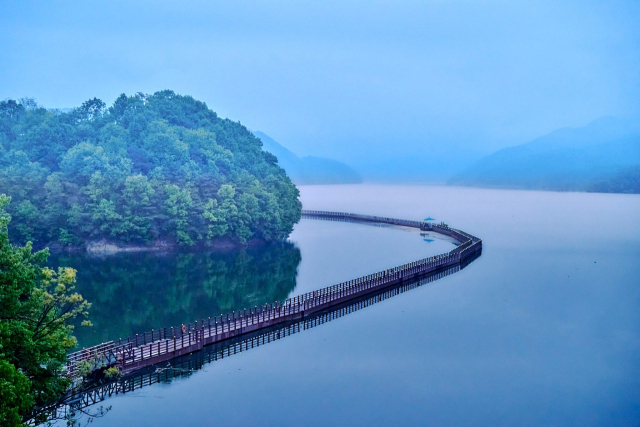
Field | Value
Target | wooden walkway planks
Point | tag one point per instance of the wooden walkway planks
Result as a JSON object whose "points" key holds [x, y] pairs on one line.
{"points": [[184, 366], [167, 343]]}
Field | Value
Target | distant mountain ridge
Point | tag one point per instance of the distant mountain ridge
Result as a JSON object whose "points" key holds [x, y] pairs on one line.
{"points": [[569, 159], [309, 169]]}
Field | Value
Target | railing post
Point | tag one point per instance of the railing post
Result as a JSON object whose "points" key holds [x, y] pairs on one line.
{"points": [[309, 300]]}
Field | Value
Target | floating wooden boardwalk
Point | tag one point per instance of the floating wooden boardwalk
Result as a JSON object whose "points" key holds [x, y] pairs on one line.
{"points": [[77, 400], [156, 346]]}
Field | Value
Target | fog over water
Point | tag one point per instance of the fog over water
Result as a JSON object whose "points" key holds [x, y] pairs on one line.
{"points": [[542, 329]]}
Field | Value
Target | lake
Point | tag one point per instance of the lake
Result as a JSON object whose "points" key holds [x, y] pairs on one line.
{"points": [[542, 329]]}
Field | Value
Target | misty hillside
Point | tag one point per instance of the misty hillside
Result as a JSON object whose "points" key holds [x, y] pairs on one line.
{"points": [[154, 170], [309, 169], [592, 158]]}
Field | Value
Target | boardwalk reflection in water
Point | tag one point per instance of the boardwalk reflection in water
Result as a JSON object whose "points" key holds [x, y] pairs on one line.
{"points": [[184, 366], [157, 346]]}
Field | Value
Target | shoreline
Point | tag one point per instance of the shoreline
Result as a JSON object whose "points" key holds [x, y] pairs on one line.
{"points": [[106, 248]]}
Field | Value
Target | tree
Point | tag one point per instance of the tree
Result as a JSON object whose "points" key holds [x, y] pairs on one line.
{"points": [[149, 168], [179, 203], [137, 194], [15, 399], [36, 307]]}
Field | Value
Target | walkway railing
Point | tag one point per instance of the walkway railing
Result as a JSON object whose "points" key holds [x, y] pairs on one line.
{"points": [[79, 399], [166, 343]]}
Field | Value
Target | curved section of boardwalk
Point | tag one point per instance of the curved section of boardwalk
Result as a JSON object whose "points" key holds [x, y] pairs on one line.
{"points": [[185, 365], [156, 346]]}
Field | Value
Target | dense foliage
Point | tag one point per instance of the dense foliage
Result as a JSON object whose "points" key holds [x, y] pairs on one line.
{"points": [[37, 305], [150, 168]]}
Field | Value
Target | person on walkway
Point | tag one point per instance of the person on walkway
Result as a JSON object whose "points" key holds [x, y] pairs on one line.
{"points": [[184, 329]]}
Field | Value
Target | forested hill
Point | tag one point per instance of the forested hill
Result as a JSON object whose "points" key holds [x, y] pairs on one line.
{"points": [[150, 169]]}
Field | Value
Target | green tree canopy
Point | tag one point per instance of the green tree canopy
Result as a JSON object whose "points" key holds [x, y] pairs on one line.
{"points": [[159, 167], [36, 306]]}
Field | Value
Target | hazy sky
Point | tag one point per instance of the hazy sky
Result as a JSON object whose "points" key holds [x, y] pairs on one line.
{"points": [[364, 82]]}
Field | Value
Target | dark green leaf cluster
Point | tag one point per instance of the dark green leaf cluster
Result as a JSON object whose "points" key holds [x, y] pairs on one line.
{"points": [[150, 168], [37, 305]]}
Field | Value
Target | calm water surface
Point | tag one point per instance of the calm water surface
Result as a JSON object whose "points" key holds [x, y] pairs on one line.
{"points": [[135, 292], [542, 329]]}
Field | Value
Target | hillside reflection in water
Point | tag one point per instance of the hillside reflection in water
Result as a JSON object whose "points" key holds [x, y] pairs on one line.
{"points": [[139, 291]]}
